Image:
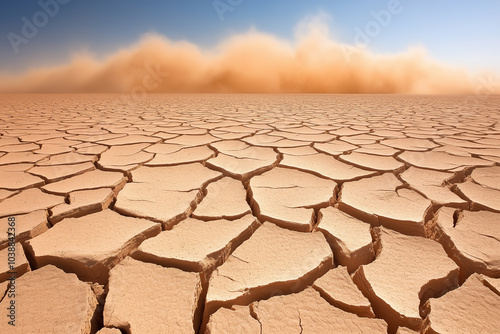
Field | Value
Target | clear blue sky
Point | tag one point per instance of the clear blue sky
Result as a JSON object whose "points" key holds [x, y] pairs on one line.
{"points": [[463, 33]]}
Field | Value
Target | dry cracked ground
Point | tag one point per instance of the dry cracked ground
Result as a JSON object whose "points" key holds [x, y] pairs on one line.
{"points": [[251, 214]]}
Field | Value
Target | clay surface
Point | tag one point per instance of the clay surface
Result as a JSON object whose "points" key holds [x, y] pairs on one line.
{"points": [[251, 213], [62, 296]]}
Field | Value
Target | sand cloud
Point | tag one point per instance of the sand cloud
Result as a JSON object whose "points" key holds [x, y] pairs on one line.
{"points": [[251, 62]]}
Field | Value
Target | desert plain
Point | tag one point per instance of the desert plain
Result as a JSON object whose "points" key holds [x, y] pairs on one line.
{"points": [[250, 213]]}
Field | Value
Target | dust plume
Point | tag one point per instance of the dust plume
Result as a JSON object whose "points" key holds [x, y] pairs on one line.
{"points": [[251, 62]]}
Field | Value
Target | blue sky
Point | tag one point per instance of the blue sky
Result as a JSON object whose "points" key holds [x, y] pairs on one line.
{"points": [[460, 33]]}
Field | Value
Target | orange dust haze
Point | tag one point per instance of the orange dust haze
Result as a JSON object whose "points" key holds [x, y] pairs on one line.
{"points": [[253, 62]]}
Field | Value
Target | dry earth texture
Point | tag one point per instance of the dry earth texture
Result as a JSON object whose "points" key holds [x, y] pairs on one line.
{"points": [[251, 214]]}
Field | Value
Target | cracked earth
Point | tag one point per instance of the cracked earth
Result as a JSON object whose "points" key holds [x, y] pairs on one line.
{"points": [[251, 214]]}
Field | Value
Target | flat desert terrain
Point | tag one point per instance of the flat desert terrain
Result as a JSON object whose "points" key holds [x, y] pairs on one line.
{"points": [[249, 214]]}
